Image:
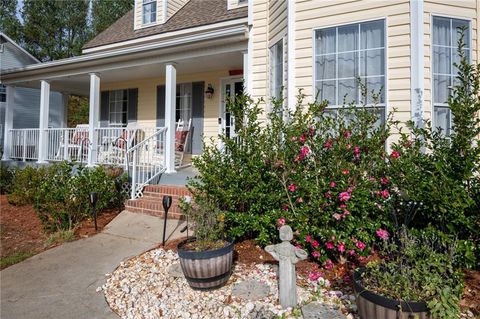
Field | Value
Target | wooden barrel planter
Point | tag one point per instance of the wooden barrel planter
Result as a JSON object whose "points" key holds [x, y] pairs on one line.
{"points": [[206, 269], [373, 306]]}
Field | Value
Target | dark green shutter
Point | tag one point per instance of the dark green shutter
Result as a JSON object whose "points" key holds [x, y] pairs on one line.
{"points": [[132, 105], [196, 133], [161, 106], [104, 107]]}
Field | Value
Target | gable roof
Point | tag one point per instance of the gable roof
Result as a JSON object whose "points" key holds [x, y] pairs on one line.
{"points": [[194, 13], [22, 50]]}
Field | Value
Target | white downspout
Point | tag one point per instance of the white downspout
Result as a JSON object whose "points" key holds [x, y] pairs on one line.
{"points": [[417, 63], [291, 95]]}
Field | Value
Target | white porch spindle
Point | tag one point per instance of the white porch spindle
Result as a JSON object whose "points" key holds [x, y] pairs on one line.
{"points": [[7, 136], [43, 123], [93, 117], [170, 99]]}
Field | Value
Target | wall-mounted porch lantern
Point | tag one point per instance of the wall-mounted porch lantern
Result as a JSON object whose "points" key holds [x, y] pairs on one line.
{"points": [[209, 91]]}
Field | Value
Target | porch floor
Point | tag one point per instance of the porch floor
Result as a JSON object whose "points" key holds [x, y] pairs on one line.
{"points": [[180, 177]]}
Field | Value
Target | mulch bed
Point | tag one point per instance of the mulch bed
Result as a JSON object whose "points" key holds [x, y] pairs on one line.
{"points": [[22, 232]]}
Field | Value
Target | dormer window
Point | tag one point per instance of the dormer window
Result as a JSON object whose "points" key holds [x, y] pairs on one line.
{"points": [[149, 11]]}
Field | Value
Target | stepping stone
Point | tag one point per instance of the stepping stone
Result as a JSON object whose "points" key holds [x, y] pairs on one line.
{"points": [[250, 290], [316, 310], [175, 270]]}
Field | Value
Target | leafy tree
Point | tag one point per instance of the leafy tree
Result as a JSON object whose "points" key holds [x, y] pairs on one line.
{"points": [[54, 29], [106, 12], [9, 23]]}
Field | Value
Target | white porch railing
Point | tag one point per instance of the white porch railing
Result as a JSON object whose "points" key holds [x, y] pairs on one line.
{"points": [[146, 161], [69, 144], [24, 143]]}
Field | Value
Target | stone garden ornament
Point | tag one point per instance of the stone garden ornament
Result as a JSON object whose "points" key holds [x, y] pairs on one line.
{"points": [[287, 256]]}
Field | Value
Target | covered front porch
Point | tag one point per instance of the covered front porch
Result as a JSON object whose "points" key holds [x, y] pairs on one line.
{"points": [[149, 110]]}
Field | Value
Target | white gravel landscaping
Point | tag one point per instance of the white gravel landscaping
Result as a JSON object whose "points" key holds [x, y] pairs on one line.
{"points": [[144, 287]]}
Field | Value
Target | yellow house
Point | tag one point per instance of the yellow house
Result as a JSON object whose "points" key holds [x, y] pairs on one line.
{"points": [[167, 66]]}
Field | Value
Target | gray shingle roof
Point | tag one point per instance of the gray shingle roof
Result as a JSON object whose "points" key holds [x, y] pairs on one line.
{"points": [[193, 14]]}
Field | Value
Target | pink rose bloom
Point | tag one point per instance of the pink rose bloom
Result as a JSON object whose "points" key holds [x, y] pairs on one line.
{"points": [[337, 216], [328, 264], [304, 151], [385, 193], [341, 247], [281, 221], [302, 138], [328, 144], [345, 213], [285, 207], [382, 233], [347, 134], [314, 276], [332, 184], [293, 139], [299, 200], [315, 244], [395, 154], [360, 245], [298, 246], [328, 194], [344, 196], [356, 152], [352, 252], [342, 206], [384, 181], [345, 172], [292, 187], [379, 206], [297, 232], [329, 245], [308, 238], [316, 254]]}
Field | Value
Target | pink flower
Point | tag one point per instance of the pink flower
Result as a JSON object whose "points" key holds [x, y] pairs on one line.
{"points": [[385, 193], [329, 245], [308, 238], [356, 152], [292, 187], [347, 134], [311, 131], [360, 245], [382, 233], [298, 246], [315, 244], [304, 150], [314, 276], [371, 178], [328, 194], [328, 264], [379, 206], [337, 216], [349, 146], [345, 172], [293, 138], [302, 138], [285, 207], [344, 196], [300, 200], [281, 221], [341, 247], [395, 154], [384, 180], [316, 254], [332, 184], [351, 252], [345, 213], [328, 144], [342, 206]]}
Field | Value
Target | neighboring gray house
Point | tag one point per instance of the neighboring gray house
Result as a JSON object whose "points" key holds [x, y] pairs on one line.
{"points": [[27, 100]]}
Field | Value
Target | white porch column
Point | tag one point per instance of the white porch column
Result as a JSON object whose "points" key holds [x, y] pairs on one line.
{"points": [[7, 138], [291, 94], [246, 74], [43, 123], [170, 97], [94, 109]]}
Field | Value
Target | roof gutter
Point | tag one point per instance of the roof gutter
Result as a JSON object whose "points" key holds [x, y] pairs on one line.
{"points": [[65, 64]]}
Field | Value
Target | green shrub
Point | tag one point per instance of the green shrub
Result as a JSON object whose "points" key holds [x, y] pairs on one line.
{"points": [[6, 179], [25, 184], [62, 199]]}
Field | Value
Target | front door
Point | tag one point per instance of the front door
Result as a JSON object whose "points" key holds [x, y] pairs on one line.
{"points": [[230, 88]]}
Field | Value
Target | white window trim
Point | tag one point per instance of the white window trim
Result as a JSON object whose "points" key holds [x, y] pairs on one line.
{"points": [[384, 105], [149, 3], [110, 111], [432, 82], [272, 73]]}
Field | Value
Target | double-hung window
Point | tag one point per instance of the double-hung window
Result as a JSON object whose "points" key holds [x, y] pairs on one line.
{"points": [[445, 36], [149, 11], [118, 106], [276, 70], [183, 107], [345, 55], [3, 93]]}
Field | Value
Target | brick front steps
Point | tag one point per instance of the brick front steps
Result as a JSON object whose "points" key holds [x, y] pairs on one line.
{"points": [[151, 202]]}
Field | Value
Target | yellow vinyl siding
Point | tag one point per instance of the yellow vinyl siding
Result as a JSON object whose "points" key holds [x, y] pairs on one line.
{"points": [[147, 97], [173, 6], [461, 9], [138, 14], [313, 14], [260, 50]]}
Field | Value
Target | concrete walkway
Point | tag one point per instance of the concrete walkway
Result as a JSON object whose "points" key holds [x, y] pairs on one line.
{"points": [[61, 282]]}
